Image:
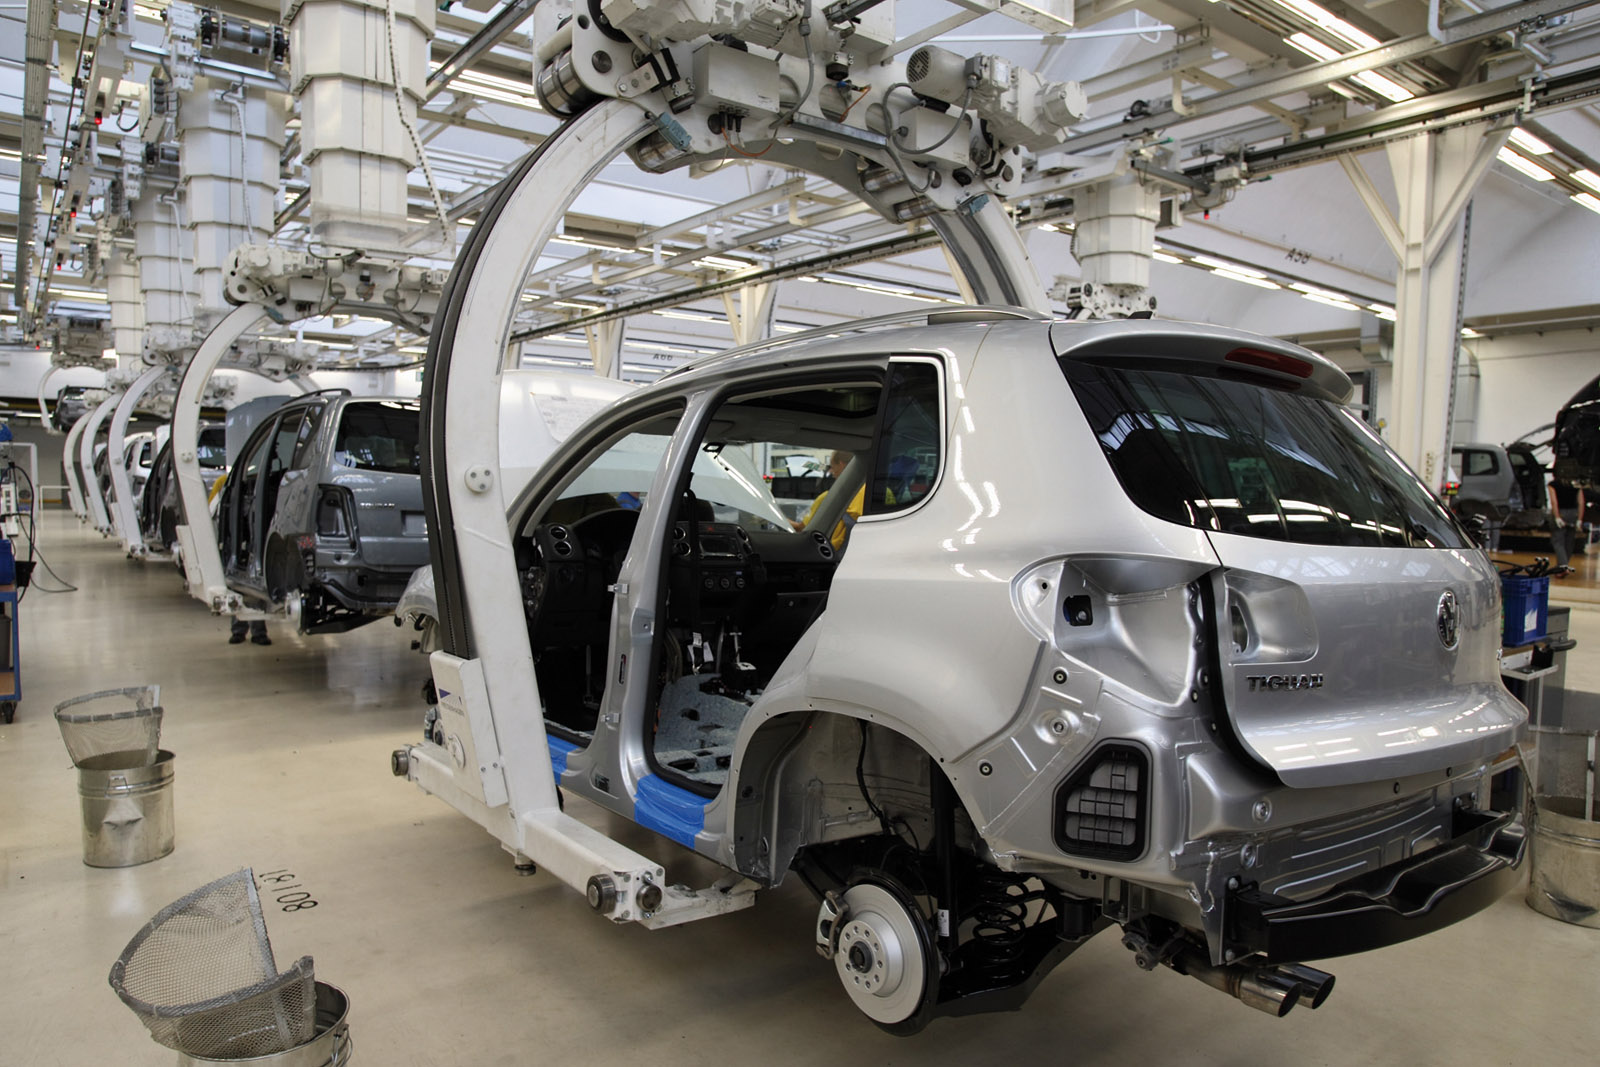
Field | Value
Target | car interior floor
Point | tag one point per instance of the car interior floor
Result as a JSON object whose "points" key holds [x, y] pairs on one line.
{"points": [[449, 957]]}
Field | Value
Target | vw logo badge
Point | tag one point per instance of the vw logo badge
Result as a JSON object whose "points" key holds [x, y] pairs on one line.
{"points": [[1449, 621]]}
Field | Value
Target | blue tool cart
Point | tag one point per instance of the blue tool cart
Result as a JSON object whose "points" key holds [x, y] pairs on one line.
{"points": [[10, 661]]}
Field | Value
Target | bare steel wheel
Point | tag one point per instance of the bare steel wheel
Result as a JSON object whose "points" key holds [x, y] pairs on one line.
{"points": [[885, 957]]}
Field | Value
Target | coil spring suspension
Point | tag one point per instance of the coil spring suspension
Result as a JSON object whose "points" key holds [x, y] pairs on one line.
{"points": [[1000, 919]]}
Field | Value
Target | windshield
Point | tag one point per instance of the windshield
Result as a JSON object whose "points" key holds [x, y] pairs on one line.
{"points": [[379, 436], [1237, 457]]}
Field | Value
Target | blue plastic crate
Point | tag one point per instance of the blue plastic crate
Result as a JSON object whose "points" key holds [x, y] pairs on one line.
{"points": [[1527, 609]]}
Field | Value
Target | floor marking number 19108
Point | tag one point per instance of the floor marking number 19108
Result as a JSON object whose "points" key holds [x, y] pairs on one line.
{"points": [[289, 897]]}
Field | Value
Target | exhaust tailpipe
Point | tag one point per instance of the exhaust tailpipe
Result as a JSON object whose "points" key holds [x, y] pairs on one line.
{"points": [[1315, 985], [1269, 989]]}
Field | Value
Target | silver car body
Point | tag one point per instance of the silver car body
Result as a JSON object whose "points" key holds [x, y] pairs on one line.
{"points": [[1171, 720]]}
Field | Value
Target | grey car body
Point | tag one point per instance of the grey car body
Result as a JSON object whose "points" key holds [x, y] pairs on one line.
{"points": [[72, 403], [322, 509], [160, 512], [1502, 483], [1139, 627]]}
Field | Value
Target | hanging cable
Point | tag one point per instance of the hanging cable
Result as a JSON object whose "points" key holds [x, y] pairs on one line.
{"points": [[235, 95], [446, 232]]}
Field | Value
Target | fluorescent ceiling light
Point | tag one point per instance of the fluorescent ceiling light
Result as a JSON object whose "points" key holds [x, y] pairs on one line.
{"points": [[562, 238], [108, 354], [1343, 305], [1588, 200], [1469, 333], [724, 263], [1312, 47], [1529, 143], [579, 305], [903, 296], [1236, 277], [784, 327], [686, 313], [78, 294], [1587, 177], [1165, 257], [1526, 166], [1384, 313], [1312, 290], [1232, 268], [1384, 86], [1346, 32]]}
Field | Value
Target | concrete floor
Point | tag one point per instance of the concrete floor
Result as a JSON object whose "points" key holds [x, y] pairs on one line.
{"points": [[450, 958]]}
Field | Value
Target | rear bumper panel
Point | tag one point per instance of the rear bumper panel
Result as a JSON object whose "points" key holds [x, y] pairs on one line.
{"points": [[1396, 903]]}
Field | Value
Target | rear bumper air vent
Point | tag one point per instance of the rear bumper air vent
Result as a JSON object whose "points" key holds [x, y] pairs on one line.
{"points": [[1101, 810]]}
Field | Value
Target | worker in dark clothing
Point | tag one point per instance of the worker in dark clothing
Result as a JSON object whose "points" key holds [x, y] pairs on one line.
{"points": [[257, 629], [1564, 519]]}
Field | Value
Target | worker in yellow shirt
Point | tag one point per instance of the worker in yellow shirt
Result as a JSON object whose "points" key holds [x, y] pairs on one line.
{"points": [[836, 465]]}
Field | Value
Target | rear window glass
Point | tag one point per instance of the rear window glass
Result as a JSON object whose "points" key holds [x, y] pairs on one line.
{"points": [[1475, 462], [212, 448], [1241, 458], [378, 436]]}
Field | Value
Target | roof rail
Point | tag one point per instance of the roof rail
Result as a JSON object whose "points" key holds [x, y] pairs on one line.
{"points": [[936, 317]]}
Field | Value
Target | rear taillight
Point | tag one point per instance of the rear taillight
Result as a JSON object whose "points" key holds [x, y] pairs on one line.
{"points": [[336, 513]]}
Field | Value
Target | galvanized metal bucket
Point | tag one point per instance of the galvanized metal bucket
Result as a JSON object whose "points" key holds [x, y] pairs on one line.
{"points": [[1565, 878], [331, 1047], [127, 811]]}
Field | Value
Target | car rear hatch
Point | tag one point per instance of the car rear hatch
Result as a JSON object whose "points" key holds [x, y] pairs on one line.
{"points": [[376, 461], [1355, 628]]}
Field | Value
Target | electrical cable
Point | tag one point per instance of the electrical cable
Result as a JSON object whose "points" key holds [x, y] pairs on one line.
{"points": [[861, 779], [794, 109], [846, 112], [234, 95], [61, 161], [33, 540], [893, 140], [118, 119], [446, 231]]}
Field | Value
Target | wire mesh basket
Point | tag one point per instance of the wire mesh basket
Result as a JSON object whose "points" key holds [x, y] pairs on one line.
{"points": [[99, 726], [201, 977]]}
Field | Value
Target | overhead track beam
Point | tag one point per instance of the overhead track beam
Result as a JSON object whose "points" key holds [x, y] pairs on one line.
{"points": [[1315, 75], [497, 29]]}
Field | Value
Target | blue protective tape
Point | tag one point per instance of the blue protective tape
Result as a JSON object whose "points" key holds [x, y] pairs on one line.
{"points": [[669, 811], [559, 751]]}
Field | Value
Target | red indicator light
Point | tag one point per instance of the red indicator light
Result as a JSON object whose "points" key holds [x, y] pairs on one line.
{"points": [[1255, 357]]}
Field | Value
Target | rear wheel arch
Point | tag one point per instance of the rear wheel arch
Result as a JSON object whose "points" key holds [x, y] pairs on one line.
{"points": [[797, 784]]}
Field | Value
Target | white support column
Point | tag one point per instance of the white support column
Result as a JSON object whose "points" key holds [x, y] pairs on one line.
{"points": [[605, 347], [126, 298], [353, 138], [750, 315], [165, 276], [1435, 175], [230, 139]]}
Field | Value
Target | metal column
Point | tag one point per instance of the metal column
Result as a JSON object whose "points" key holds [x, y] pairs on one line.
{"points": [[1435, 175]]}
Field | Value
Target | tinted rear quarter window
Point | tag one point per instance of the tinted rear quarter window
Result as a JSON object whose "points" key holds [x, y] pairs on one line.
{"points": [[378, 436], [1242, 457]]}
